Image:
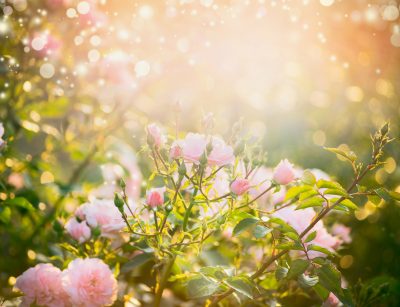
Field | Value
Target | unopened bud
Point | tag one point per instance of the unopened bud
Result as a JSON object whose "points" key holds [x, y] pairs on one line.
{"points": [[118, 202], [122, 184], [209, 147], [168, 208], [203, 159], [182, 169]]}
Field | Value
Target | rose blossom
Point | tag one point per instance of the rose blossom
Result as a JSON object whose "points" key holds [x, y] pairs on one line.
{"points": [[221, 153], [42, 285], [90, 282], [343, 232], [176, 150], [284, 172], [103, 214], [193, 146], [155, 134], [80, 231], [155, 197], [240, 186]]}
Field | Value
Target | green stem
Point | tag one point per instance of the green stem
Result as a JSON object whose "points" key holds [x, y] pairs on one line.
{"points": [[163, 281], [187, 213]]}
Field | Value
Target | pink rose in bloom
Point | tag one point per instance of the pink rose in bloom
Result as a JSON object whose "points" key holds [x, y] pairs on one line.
{"points": [[80, 231], [323, 239], [155, 197], [90, 283], [42, 286], [240, 186], [103, 214], [343, 232], [284, 172], [176, 150], [221, 153], [193, 146], [155, 134]]}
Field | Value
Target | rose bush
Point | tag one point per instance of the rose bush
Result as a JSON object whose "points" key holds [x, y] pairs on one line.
{"points": [[214, 226]]}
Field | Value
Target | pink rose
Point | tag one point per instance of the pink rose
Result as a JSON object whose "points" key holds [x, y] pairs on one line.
{"points": [[176, 150], [79, 231], [193, 146], [155, 135], [221, 153], [42, 286], [103, 214], [240, 186], [90, 282], [155, 197], [343, 232], [284, 172]]}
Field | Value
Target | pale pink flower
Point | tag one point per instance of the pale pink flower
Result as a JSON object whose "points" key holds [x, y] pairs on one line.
{"points": [[331, 301], [155, 197], [221, 153], [260, 180], [80, 212], [343, 232], [284, 173], [17, 180], [220, 185], [176, 150], [300, 220], [155, 134], [42, 286], [79, 231], [104, 214], [90, 283], [240, 186], [193, 146]]}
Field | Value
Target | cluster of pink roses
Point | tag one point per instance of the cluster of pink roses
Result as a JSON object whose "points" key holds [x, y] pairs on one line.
{"points": [[99, 213], [86, 282]]}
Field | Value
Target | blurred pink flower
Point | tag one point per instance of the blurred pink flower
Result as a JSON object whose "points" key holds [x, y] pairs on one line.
{"points": [[104, 214], [17, 180], [42, 286], [331, 301], [155, 197], [79, 231], [193, 146], [284, 172], [221, 153], [176, 150], [240, 186], [343, 232], [90, 282], [155, 134]]}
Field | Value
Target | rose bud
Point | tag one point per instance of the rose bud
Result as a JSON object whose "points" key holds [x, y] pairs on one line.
{"points": [[155, 137], [240, 186], [284, 172], [155, 197]]}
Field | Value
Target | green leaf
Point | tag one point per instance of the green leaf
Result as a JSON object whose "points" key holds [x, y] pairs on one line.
{"points": [[311, 202], [200, 286], [321, 292], [281, 272], [20, 202], [261, 231], [394, 195], [297, 267], [289, 246], [349, 155], [292, 235], [243, 225], [293, 192], [349, 204], [137, 261], [383, 193], [317, 248], [310, 237], [307, 194], [308, 178], [241, 284], [306, 281], [325, 184], [339, 192], [216, 272]]}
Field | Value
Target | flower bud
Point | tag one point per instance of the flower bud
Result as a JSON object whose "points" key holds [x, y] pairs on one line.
{"points": [[284, 173], [155, 197], [203, 159], [209, 147], [118, 202], [155, 136], [122, 184], [168, 208], [240, 186]]}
